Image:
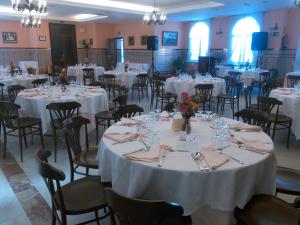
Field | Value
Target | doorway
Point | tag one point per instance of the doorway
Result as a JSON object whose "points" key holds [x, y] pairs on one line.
{"points": [[63, 44]]}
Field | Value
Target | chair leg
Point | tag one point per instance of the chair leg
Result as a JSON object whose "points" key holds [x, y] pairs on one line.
{"points": [[41, 136], [20, 143], [55, 144], [86, 171], [274, 129], [97, 131], [53, 216], [132, 90], [232, 107], [289, 134], [5, 142], [97, 217], [24, 137]]}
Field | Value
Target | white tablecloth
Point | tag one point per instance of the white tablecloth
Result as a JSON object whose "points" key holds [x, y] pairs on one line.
{"points": [[77, 71], [246, 75], [24, 65], [127, 78], [24, 80], [91, 102], [296, 73], [291, 108], [177, 85], [133, 66], [210, 197]]}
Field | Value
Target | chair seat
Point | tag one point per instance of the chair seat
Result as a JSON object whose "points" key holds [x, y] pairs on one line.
{"points": [[23, 122], [111, 106], [105, 115], [87, 159], [168, 95], [83, 195], [280, 118], [288, 181]]}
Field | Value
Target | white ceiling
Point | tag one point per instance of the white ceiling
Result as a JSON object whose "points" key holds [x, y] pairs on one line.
{"points": [[177, 10]]}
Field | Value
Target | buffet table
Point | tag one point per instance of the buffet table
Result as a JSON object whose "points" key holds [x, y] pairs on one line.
{"points": [[33, 102], [209, 196], [177, 85]]}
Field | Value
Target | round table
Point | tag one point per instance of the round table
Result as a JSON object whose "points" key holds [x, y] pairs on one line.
{"points": [[210, 197], [177, 85], [33, 102], [24, 80], [127, 79], [290, 107], [77, 71]]}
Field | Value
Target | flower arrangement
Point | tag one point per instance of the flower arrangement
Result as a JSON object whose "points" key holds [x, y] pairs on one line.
{"points": [[187, 107]]}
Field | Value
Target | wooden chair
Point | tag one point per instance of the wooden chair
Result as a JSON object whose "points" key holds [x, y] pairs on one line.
{"points": [[267, 210], [111, 84], [59, 111], [39, 82], [255, 117], [205, 92], [162, 96], [3, 97], [288, 181], [264, 77], [13, 91], [267, 104], [82, 196], [128, 111], [232, 96], [97, 84], [292, 80], [77, 156], [53, 78], [88, 75], [105, 118], [13, 125], [131, 211], [141, 86]]}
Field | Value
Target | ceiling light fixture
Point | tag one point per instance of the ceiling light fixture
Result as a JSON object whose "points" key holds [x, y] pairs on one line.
{"points": [[28, 7], [297, 3], [84, 16], [154, 17]]}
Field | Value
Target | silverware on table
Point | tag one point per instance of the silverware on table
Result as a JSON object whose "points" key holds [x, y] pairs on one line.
{"points": [[129, 153], [162, 158], [121, 142], [231, 157], [205, 163], [198, 162]]}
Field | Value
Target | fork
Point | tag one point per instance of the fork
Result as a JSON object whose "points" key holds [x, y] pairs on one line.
{"points": [[198, 162]]}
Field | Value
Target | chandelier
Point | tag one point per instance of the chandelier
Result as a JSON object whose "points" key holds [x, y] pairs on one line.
{"points": [[30, 20], [154, 17]]}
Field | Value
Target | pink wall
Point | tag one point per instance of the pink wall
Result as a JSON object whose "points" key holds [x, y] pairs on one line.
{"points": [[293, 28], [220, 41]]}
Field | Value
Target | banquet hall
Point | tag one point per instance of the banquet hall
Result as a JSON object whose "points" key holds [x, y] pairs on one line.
{"points": [[148, 112]]}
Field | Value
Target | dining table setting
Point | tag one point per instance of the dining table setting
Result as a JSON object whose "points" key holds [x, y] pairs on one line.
{"points": [[77, 71], [186, 83], [20, 79], [33, 101], [219, 165]]}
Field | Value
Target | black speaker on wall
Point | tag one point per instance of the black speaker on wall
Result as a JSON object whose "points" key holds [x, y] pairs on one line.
{"points": [[152, 43], [259, 41], [206, 64]]}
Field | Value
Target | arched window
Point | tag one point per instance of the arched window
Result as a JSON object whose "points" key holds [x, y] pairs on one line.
{"points": [[242, 38], [199, 40]]}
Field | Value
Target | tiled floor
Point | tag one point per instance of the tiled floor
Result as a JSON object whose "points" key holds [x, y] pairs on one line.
{"points": [[24, 198]]}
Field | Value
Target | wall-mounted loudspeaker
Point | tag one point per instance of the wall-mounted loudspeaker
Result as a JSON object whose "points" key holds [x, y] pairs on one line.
{"points": [[259, 41], [152, 43]]}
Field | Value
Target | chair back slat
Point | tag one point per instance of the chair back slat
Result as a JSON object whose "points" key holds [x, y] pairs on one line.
{"points": [[13, 91], [128, 111], [292, 80], [8, 112], [38, 82], [63, 110]]}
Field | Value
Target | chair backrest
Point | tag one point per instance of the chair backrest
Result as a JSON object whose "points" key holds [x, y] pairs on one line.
{"points": [[142, 79], [13, 91], [233, 87], [264, 76], [128, 111], [236, 75], [269, 86], [97, 84], [88, 75], [1, 91], [63, 110], [205, 91], [274, 73], [136, 212], [121, 100], [254, 117], [72, 127], [8, 111], [38, 82], [268, 104], [53, 77], [109, 79], [52, 177], [267, 210], [292, 80], [158, 87]]}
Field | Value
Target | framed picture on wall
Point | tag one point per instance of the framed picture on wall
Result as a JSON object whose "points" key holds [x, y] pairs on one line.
{"points": [[131, 40], [42, 38], [169, 38], [9, 37], [144, 40]]}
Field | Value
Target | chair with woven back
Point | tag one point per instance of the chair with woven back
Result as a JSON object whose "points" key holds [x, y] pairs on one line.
{"points": [[161, 95], [292, 80], [233, 92], [141, 86], [3, 96], [105, 118], [88, 75], [39, 82], [81, 196], [268, 104], [128, 111], [111, 84], [130, 211], [267, 210], [77, 156], [59, 111], [205, 92], [264, 77], [13, 125], [13, 91]]}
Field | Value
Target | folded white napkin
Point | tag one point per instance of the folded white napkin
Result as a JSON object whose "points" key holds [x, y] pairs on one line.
{"points": [[214, 158]]}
